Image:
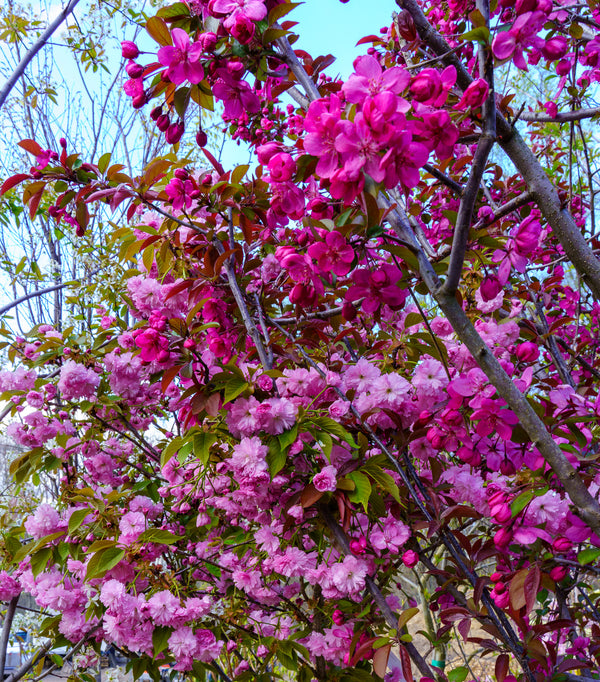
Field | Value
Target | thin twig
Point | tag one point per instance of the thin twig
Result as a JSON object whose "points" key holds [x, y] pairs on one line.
{"points": [[35, 48]]}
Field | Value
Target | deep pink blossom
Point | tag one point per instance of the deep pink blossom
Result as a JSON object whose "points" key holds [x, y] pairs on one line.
{"points": [[182, 59], [333, 255], [369, 79]]}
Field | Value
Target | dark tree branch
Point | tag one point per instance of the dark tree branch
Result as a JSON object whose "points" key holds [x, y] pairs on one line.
{"points": [[444, 179], [484, 147], [542, 190]]}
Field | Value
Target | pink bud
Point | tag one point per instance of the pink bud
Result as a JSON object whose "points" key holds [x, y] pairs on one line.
{"points": [[338, 617], [410, 558], [163, 122], [528, 352], [139, 100], [501, 513], [201, 138], [174, 132], [555, 48], [496, 576], [129, 50], [134, 70], [208, 41], [475, 95], [562, 545], [558, 573], [490, 287], [502, 537]]}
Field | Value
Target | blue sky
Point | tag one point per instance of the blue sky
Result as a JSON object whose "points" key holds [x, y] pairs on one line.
{"points": [[331, 27]]}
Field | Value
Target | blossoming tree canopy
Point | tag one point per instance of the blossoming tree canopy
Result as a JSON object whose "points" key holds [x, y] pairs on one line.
{"points": [[359, 375]]}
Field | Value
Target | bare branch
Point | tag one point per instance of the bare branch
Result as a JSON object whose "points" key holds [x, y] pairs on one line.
{"points": [[36, 47], [564, 117]]}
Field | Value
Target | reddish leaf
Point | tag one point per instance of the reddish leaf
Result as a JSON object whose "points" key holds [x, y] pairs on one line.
{"points": [[502, 667], [464, 627], [406, 666], [34, 203], [218, 167], [310, 495], [168, 376], [380, 660], [31, 146], [12, 181]]}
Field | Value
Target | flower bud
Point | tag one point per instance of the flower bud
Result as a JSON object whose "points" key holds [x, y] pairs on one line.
{"points": [[139, 100], [528, 352], [489, 288], [201, 138], [558, 573], [174, 132], [163, 122], [134, 70], [502, 537], [410, 558], [562, 545], [129, 50], [156, 113], [555, 48]]}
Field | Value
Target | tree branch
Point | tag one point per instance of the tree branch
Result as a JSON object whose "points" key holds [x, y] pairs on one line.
{"points": [[542, 190], [35, 48], [33, 294], [484, 147], [8, 619], [566, 117]]}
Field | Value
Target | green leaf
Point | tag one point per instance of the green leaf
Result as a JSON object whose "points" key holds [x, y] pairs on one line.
{"points": [[158, 30], [76, 519], [238, 173], [160, 536], [362, 492], [170, 450], [103, 561], [160, 639], [233, 388], [332, 427], [179, 9], [288, 437], [458, 674], [39, 560], [588, 555], [202, 444], [276, 457], [520, 502]]}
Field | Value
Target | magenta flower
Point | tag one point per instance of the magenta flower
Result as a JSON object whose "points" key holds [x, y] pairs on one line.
{"points": [[403, 160], [282, 167], [252, 9], [377, 288], [179, 192], [152, 346], [491, 418], [475, 95], [326, 479], [523, 33], [237, 96], [369, 80], [359, 148], [182, 59], [322, 123], [334, 255]]}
